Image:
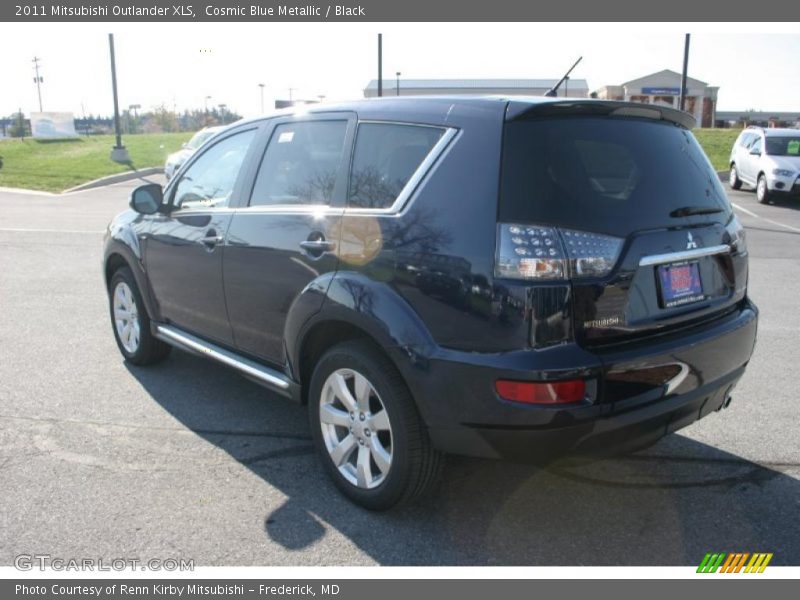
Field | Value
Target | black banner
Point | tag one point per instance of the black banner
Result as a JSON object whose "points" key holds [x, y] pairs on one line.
{"points": [[390, 589], [408, 10]]}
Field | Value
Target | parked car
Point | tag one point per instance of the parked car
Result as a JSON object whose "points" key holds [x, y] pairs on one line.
{"points": [[287, 248], [768, 160], [176, 159]]}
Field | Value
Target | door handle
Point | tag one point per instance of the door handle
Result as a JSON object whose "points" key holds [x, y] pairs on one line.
{"points": [[212, 239], [316, 245]]}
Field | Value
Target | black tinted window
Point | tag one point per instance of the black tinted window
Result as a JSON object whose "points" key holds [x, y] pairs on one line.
{"points": [[386, 156], [609, 175], [300, 164]]}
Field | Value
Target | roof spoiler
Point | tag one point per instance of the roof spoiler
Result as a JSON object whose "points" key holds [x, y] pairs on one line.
{"points": [[590, 107]]}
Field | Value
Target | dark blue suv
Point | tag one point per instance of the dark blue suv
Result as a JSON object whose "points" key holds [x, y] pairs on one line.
{"points": [[500, 277]]}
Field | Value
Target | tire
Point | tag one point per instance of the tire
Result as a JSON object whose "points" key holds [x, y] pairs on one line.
{"points": [[131, 323], [401, 464], [762, 190], [733, 178]]}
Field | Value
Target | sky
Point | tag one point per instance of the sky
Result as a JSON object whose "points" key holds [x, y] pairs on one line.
{"points": [[179, 64]]}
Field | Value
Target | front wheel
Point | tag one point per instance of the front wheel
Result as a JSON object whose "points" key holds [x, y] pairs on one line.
{"points": [[762, 190], [733, 178], [367, 430], [131, 323]]}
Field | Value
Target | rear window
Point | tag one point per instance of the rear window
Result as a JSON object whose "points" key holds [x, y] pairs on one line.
{"points": [[608, 175]]}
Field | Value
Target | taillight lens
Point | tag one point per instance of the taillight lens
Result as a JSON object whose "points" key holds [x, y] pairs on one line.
{"points": [[536, 392], [546, 253], [738, 238]]}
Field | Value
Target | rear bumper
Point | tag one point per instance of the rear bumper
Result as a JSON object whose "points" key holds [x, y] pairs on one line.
{"points": [[455, 393]]}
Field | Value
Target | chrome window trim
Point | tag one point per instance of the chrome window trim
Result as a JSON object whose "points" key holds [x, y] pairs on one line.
{"points": [[416, 178], [671, 257]]}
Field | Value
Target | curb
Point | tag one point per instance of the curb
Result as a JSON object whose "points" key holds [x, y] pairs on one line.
{"points": [[111, 179]]}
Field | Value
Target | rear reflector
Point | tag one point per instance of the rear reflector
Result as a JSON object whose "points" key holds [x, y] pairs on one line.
{"points": [[534, 392]]}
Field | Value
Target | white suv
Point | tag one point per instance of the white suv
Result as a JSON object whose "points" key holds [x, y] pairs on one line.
{"points": [[767, 159]]}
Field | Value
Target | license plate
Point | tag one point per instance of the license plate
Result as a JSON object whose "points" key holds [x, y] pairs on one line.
{"points": [[680, 284]]}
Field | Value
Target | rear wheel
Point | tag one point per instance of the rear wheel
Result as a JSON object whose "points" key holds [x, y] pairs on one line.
{"points": [[762, 191], [367, 430], [733, 178], [131, 323]]}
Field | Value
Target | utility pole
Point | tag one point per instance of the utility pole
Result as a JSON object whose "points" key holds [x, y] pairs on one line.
{"points": [[397, 89], [685, 71], [261, 85], [380, 65], [38, 80], [119, 153]]}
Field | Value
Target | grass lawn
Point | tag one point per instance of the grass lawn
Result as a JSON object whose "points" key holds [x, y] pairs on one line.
{"points": [[56, 165], [717, 143]]}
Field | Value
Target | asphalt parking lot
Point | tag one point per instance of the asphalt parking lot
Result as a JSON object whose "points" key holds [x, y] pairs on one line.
{"points": [[188, 459]]}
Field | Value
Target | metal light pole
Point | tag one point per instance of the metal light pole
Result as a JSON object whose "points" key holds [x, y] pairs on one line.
{"points": [[685, 70], [38, 80], [380, 65], [119, 153], [397, 89], [222, 108], [261, 85]]}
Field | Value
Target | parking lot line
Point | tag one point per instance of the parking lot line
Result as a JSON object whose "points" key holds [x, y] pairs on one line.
{"points": [[778, 223]]}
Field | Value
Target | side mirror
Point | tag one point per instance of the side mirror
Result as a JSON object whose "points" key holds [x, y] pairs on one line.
{"points": [[147, 199], [755, 152]]}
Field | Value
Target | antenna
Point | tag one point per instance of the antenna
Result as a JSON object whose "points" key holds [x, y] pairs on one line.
{"points": [[553, 91]]}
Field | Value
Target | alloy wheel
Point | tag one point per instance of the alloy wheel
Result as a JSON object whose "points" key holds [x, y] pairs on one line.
{"points": [[356, 428], [126, 317]]}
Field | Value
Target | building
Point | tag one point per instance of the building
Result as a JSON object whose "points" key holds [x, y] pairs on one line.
{"points": [[763, 118], [576, 88], [664, 88]]}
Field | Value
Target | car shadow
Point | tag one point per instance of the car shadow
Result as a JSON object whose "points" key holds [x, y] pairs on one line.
{"points": [[668, 505]]}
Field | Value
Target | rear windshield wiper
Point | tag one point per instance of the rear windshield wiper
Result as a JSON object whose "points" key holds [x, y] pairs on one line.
{"points": [[688, 211]]}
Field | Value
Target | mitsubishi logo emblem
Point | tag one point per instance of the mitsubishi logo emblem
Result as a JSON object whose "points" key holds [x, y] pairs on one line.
{"points": [[690, 244]]}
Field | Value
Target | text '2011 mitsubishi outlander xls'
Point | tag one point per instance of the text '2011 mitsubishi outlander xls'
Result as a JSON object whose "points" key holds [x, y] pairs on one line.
{"points": [[510, 278]]}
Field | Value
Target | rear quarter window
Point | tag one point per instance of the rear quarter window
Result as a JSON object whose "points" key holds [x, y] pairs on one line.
{"points": [[385, 158]]}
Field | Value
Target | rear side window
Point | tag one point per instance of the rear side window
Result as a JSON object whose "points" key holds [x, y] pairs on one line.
{"points": [[386, 156], [300, 164], [604, 174]]}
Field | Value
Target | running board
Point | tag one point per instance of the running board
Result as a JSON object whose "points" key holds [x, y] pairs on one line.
{"points": [[270, 378]]}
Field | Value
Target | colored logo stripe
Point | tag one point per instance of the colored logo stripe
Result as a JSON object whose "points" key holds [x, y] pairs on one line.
{"points": [[734, 562]]}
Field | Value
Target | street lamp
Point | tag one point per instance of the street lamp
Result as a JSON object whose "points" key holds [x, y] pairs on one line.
{"points": [[397, 88], [261, 85], [222, 108]]}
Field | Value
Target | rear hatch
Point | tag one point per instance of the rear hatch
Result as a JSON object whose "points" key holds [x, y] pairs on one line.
{"points": [[626, 200]]}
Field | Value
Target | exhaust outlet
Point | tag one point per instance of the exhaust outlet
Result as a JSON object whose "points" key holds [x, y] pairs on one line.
{"points": [[725, 403]]}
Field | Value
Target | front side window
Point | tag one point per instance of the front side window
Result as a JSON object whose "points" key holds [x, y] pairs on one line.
{"points": [[300, 164], [756, 145], [209, 181], [385, 158]]}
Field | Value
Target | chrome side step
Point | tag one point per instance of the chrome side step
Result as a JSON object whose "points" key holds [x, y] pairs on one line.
{"points": [[269, 377]]}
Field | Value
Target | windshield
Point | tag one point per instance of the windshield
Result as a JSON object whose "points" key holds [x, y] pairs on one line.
{"points": [[607, 174], [783, 146], [198, 139]]}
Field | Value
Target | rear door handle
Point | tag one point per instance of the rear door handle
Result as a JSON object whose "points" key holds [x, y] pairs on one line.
{"points": [[317, 247]]}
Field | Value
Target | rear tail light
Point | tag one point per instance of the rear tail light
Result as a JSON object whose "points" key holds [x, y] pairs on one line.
{"points": [[536, 392], [738, 239], [541, 253]]}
